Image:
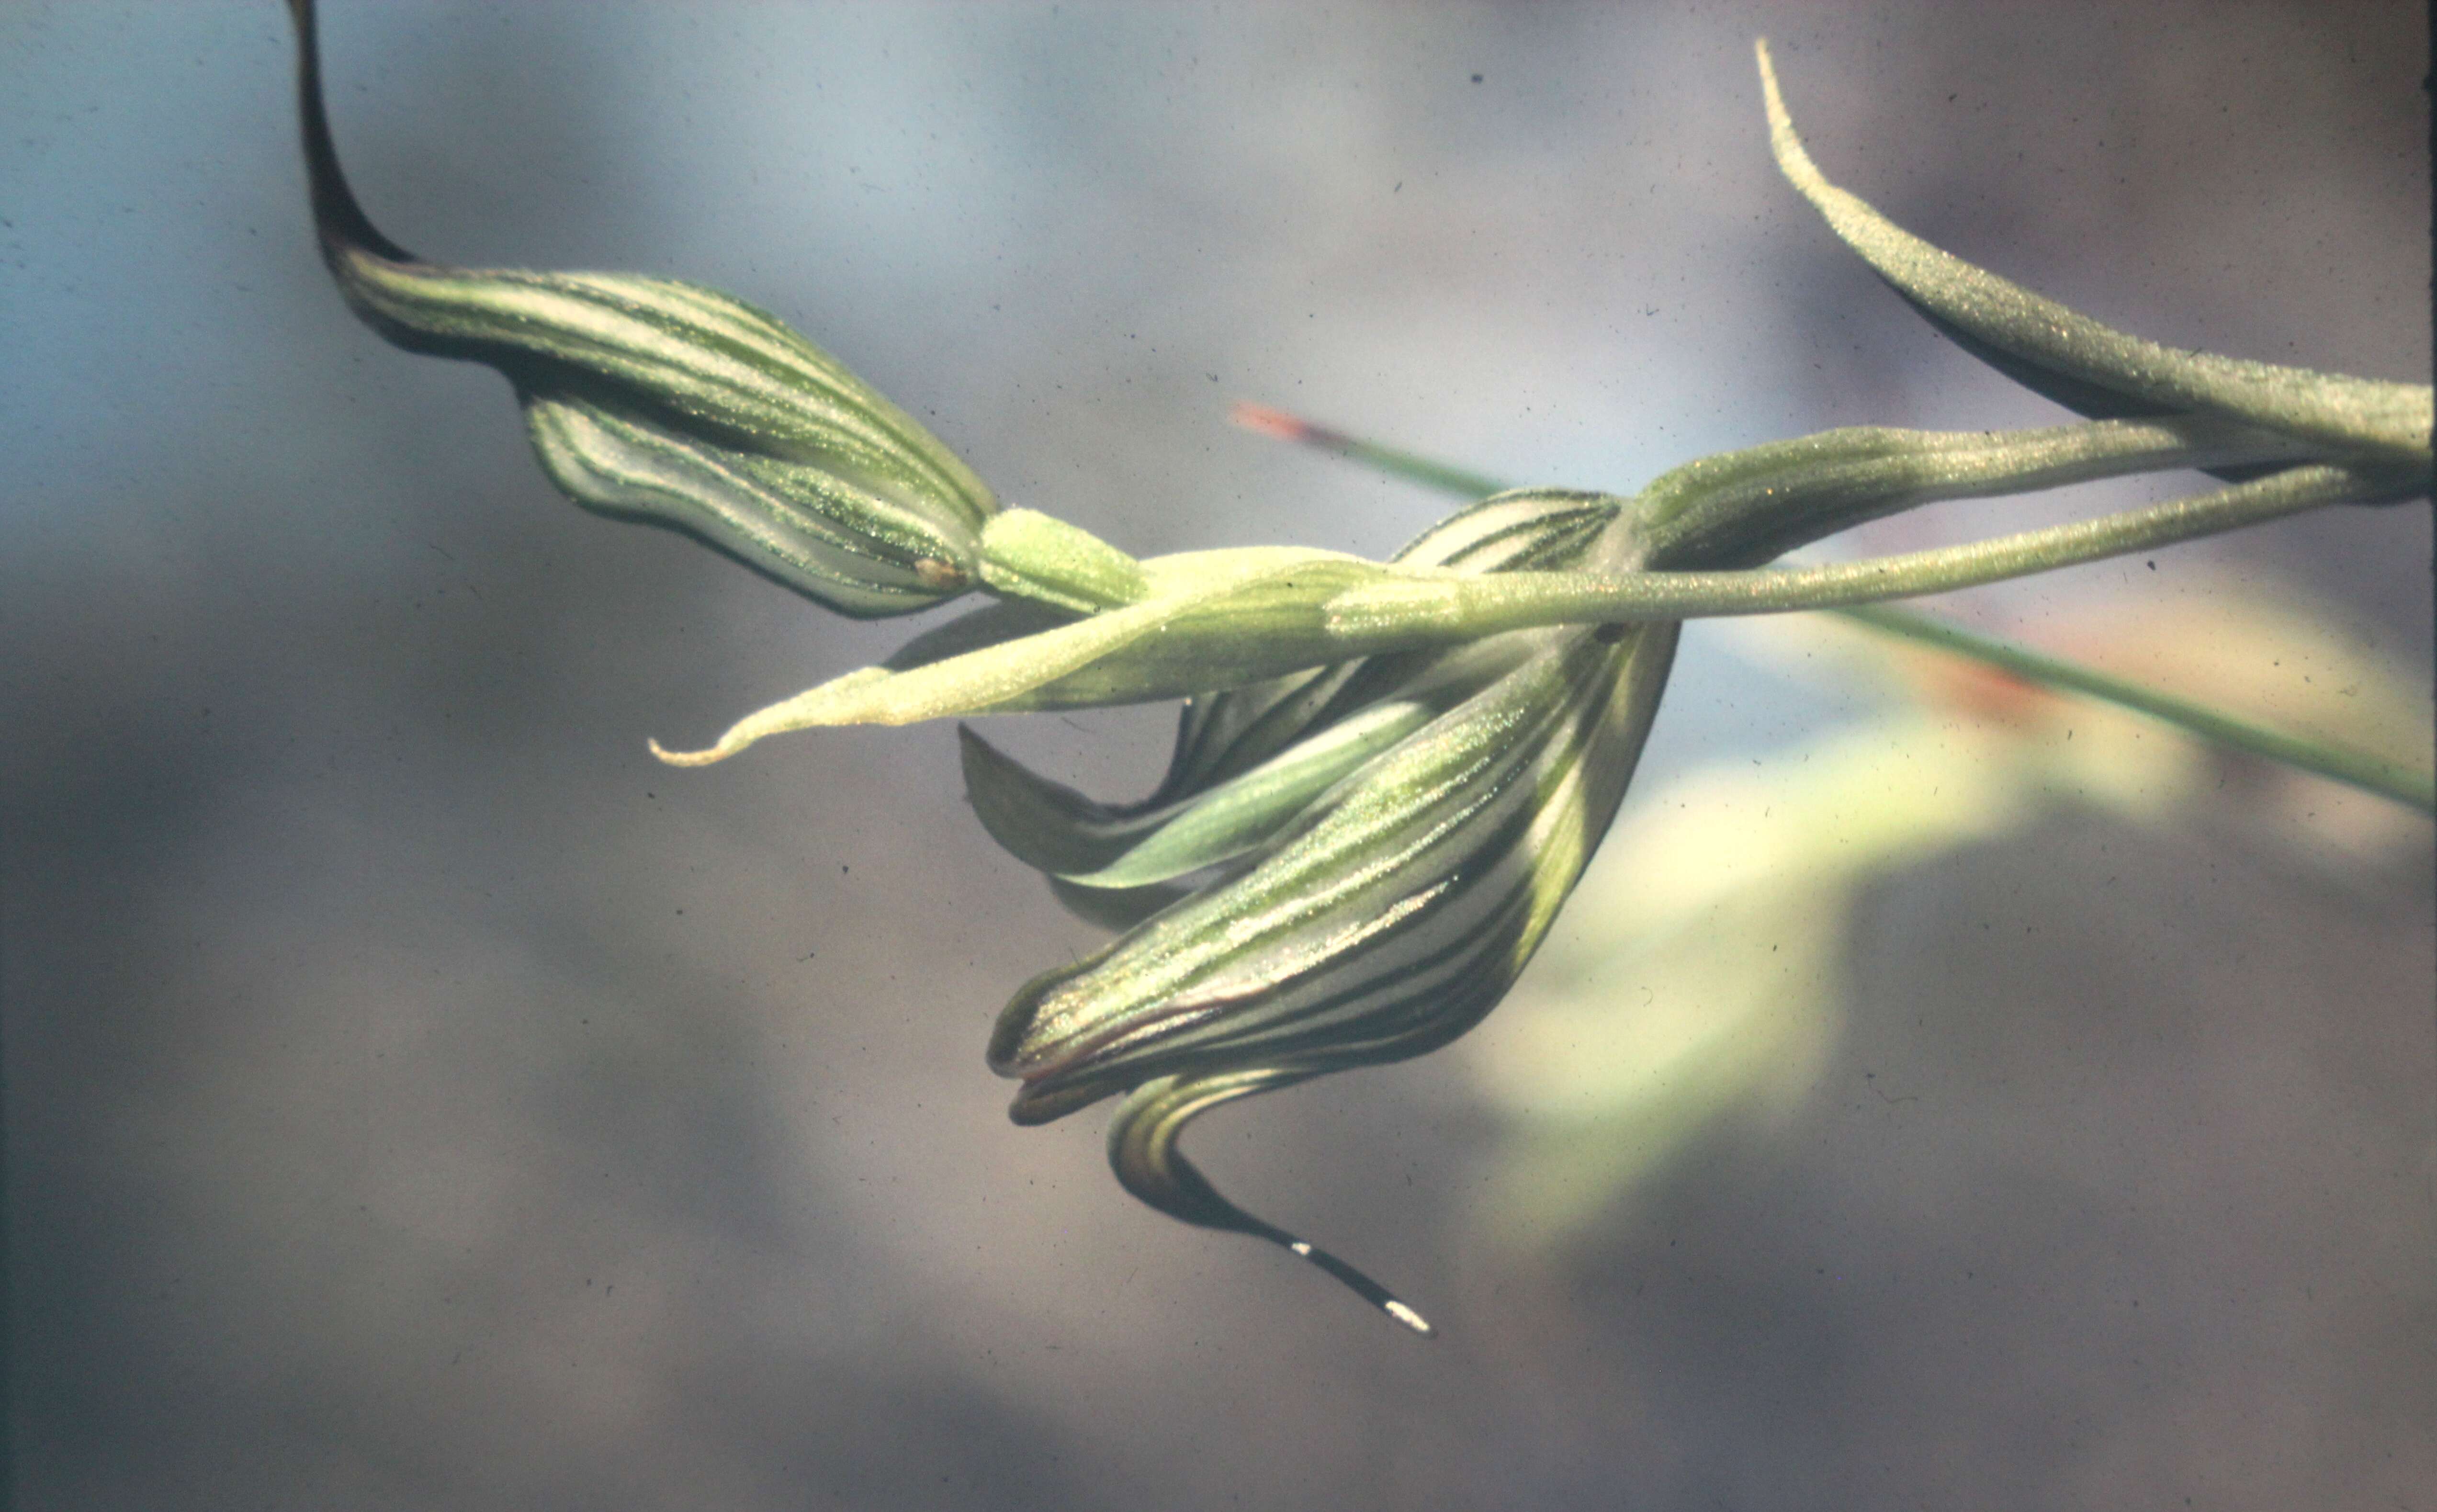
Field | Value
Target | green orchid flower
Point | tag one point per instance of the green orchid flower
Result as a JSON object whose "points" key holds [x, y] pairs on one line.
{"points": [[1388, 777]]}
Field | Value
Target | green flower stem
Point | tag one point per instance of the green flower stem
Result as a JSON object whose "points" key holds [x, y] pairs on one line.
{"points": [[1752, 505], [2356, 768], [2414, 788], [1454, 608]]}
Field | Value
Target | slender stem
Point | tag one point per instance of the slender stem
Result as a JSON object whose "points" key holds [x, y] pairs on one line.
{"points": [[2414, 788], [1445, 477], [2356, 768], [1515, 601]]}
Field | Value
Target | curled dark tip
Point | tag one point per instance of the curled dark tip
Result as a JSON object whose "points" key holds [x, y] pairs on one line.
{"points": [[1142, 1152], [1361, 1285], [340, 220]]}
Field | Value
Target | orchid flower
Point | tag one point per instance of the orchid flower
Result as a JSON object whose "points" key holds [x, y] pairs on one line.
{"points": [[1388, 777]]}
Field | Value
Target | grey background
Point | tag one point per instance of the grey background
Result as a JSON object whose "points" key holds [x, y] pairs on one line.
{"points": [[417, 1096]]}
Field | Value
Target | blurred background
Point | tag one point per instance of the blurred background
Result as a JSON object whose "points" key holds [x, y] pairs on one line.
{"points": [[417, 1096]]}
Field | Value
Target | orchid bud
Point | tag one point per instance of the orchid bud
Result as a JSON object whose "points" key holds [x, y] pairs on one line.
{"points": [[660, 401]]}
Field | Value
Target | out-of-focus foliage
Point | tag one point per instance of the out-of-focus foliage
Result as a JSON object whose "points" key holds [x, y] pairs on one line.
{"points": [[1700, 975]]}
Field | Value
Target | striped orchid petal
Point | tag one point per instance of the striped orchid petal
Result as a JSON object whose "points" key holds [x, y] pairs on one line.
{"points": [[1095, 846], [1387, 919], [1381, 920], [656, 400]]}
